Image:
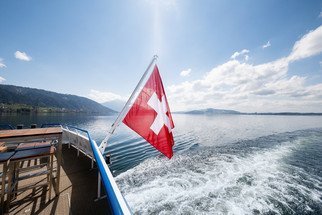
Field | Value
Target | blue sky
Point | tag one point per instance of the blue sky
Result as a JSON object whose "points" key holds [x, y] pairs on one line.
{"points": [[211, 53]]}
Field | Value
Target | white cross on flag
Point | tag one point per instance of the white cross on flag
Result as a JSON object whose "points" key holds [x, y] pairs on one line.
{"points": [[150, 115]]}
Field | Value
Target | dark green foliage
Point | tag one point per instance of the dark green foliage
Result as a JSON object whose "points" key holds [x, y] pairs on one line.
{"points": [[24, 99]]}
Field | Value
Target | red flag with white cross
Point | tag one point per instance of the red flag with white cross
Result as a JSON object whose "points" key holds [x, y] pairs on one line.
{"points": [[150, 115]]}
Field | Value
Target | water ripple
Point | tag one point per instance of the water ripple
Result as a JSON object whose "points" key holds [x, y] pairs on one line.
{"points": [[272, 174]]}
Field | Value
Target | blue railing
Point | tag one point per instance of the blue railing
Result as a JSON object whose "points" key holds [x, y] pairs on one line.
{"points": [[115, 198], [50, 125], [6, 126]]}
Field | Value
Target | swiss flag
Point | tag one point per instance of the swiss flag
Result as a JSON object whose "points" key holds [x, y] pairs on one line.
{"points": [[150, 115]]}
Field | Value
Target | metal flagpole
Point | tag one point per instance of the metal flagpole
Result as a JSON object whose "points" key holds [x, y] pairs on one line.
{"points": [[126, 107], [119, 118]]}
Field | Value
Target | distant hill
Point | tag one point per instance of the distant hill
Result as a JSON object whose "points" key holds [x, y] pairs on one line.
{"points": [[287, 114], [24, 99], [116, 105], [211, 111]]}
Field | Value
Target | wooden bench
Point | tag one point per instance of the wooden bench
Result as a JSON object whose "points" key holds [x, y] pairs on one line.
{"points": [[3, 147], [17, 172], [4, 160]]}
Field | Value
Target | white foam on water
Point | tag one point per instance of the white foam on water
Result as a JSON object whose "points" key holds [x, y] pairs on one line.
{"points": [[217, 183]]}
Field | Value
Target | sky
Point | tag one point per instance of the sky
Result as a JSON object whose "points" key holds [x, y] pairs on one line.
{"points": [[250, 56]]}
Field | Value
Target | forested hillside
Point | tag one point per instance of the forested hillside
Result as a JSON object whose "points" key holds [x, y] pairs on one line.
{"points": [[24, 99]]}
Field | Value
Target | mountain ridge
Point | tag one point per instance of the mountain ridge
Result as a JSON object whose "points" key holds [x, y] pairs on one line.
{"points": [[209, 111], [213, 111], [24, 99], [116, 104]]}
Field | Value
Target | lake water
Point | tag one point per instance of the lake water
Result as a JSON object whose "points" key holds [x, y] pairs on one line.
{"points": [[223, 164]]}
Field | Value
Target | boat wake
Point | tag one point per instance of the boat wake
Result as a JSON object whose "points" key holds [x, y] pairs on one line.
{"points": [[273, 174]]}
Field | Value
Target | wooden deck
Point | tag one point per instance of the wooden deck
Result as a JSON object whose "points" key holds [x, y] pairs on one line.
{"points": [[78, 186]]}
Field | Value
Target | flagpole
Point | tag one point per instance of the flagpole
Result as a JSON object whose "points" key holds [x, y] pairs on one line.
{"points": [[126, 107]]}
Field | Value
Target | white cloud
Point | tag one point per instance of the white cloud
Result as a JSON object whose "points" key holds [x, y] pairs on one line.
{"points": [[309, 45], [250, 88], [102, 97], [320, 15], [268, 44], [185, 73], [241, 53], [22, 56], [2, 65], [2, 79]]}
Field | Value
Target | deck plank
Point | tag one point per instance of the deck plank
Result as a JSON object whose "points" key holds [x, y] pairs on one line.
{"points": [[78, 186], [29, 132]]}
